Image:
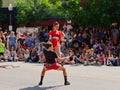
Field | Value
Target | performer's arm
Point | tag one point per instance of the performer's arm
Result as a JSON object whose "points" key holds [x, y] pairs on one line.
{"points": [[63, 38], [50, 38], [62, 59]]}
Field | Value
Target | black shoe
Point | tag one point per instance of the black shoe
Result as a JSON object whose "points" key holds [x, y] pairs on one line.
{"points": [[67, 83], [40, 83]]}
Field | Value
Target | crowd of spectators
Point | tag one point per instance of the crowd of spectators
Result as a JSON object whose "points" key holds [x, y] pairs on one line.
{"points": [[88, 46]]}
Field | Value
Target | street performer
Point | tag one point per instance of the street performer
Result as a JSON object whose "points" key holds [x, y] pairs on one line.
{"points": [[52, 62], [56, 37]]}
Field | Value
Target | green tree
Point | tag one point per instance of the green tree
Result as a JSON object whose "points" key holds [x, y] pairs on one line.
{"points": [[53, 8], [37, 10], [99, 12], [2, 15], [23, 11], [71, 9], [93, 12], [0, 3], [115, 13]]}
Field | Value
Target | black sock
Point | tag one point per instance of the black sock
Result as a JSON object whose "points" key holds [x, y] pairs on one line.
{"points": [[65, 78], [66, 82], [41, 80]]}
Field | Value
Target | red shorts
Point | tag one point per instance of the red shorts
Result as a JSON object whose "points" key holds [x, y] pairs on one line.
{"points": [[54, 66]]}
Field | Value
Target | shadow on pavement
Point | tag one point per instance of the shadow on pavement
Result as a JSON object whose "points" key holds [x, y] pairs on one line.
{"points": [[41, 88]]}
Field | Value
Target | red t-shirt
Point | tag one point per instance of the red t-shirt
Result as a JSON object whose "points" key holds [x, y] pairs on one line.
{"points": [[56, 37]]}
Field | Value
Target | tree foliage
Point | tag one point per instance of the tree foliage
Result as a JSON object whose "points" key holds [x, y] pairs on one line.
{"points": [[0, 3], [24, 10], [2, 15], [93, 12], [37, 10]]}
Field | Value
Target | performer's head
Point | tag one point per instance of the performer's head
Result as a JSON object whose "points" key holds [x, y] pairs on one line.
{"points": [[55, 25], [48, 45]]}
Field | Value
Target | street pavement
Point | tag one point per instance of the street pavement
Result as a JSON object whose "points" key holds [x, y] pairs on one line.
{"points": [[26, 76]]}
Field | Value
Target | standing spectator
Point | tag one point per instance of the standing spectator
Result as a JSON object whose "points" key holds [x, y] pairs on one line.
{"points": [[30, 40], [2, 37], [5, 38], [85, 36], [115, 35], [91, 38], [37, 39], [107, 36], [46, 36], [68, 37], [21, 40], [100, 35], [41, 35], [2, 47], [12, 40]]}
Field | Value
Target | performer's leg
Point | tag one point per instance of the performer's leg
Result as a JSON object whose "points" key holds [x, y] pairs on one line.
{"points": [[42, 75], [57, 49], [65, 75]]}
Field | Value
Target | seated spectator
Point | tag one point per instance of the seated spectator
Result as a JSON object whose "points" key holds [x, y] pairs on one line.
{"points": [[63, 49], [33, 56], [71, 59], [113, 60], [83, 57], [40, 53], [109, 56], [20, 54], [26, 54], [13, 55], [7, 54], [86, 49], [92, 58], [102, 59]]}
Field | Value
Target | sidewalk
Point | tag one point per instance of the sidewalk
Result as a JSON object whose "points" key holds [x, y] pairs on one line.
{"points": [[25, 76]]}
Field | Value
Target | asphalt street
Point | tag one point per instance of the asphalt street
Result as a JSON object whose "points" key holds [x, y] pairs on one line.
{"points": [[26, 76]]}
